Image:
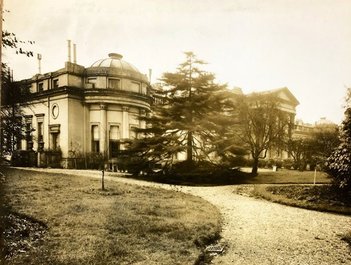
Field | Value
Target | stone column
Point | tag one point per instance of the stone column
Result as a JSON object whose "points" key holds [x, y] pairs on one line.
{"points": [[125, 123], [103, 128]]}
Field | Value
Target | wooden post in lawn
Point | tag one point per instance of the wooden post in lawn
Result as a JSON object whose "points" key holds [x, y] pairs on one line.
{"points": [[315, 176], [103, 179]]}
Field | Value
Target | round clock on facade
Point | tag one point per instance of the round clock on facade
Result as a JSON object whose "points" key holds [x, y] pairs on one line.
{"points": [[55, 111]]}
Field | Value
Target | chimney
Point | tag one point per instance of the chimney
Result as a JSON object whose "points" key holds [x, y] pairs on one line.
{"points": [[69, 50], [150, 73], [39, 63], [74, 53]]}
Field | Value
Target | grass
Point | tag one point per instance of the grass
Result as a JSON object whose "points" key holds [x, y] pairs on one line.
{"points": [[295, 188], [125, 224], [285, 176], [320, 197]]}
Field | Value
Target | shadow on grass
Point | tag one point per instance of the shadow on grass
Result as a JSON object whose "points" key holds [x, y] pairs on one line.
{"points": [[189, 179]]}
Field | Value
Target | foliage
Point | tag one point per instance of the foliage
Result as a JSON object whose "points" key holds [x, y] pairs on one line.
{"points": [[51, 158], [11, 115], [263, 124], [10, 40], [321, 144], [187, 116], [314, 149], [24, 158], [339, 162], [297, 148], [12, 123]]}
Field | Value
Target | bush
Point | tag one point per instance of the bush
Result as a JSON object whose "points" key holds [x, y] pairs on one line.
{"points": [[24, 158], [288, 164], [51, 158], [339, 167], [200, 173], [339, 162]]}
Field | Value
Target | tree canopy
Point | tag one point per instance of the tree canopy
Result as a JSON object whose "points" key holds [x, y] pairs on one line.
{"points": [[187, 116], [263, 125]]}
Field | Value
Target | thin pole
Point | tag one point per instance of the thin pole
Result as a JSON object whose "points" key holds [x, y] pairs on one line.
{"points": [[315, 176], [1, 77], [103, 179]]}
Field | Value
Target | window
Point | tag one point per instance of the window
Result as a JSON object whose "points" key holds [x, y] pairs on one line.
{"points": [[55, 141], [95, 136], [133, 133], [29, 137], [114, 144], [40, 130], [55, 83], [92, 81], [114, 83], [135, 87], [40, 87]]}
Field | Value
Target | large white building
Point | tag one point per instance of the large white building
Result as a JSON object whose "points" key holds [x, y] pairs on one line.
{"points": [[82, 110]]}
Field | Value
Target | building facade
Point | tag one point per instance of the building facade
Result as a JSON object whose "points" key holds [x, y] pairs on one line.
{"points": [[80, 110]]}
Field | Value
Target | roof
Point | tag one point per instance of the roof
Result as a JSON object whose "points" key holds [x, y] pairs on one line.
{"points": [[115, 61], [284, 90]]}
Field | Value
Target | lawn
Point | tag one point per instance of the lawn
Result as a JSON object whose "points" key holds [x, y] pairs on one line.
{"points": [[296, 188], [285, 176], [80, 224]]}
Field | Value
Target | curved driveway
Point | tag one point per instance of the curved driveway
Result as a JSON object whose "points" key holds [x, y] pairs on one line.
{"points": [[261, 232]]}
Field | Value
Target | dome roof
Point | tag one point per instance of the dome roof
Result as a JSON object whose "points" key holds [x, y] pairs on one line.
{"points": [[115, 61]]}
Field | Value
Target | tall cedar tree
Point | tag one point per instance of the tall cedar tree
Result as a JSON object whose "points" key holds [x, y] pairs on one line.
{"points": [[263, 125], [187, 116]]}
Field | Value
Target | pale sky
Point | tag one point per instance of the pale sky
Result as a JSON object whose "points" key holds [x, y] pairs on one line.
{"points": [[256, 45]]}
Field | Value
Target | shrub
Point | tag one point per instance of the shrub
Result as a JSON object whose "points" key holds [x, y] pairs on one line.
{"points": [[288, 164], [339, 167], [24, 158], [339, 162]]}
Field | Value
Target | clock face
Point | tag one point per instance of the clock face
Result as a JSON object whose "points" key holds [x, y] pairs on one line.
{"points": [[55, 111]]}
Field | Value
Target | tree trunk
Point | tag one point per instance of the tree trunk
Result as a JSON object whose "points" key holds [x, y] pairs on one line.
{"points": [[254, 166], [189, 148]]}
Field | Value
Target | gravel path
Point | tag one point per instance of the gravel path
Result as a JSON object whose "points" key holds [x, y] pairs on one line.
{"points": [[261, 232]]}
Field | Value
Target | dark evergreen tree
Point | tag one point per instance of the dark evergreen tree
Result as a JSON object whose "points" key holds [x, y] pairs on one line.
{"points": [[186, 117]]}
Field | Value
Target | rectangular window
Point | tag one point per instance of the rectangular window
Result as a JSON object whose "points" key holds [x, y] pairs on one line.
{"points": [[92, 80], [135, 87], [40, 131], [29, 137], [55, 83], [55, 141], [114, 83], [114, 144], [132, 133], [40, 87], [95, 136]]}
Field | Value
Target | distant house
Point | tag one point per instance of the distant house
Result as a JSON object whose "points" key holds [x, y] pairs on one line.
{"points": [[83, 110], [305, 130]]}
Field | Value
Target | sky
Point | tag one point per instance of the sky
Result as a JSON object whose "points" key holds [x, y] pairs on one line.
{"points": [[256, 45]]}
